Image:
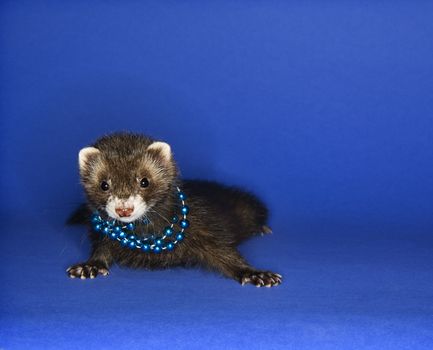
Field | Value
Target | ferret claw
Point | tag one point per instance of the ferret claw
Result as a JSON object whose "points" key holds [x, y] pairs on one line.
{"points": [[84, 271], [261, 278]]}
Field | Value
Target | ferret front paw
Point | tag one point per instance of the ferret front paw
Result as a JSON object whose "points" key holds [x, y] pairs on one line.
{"points": [[86, 270], [261, 278]]}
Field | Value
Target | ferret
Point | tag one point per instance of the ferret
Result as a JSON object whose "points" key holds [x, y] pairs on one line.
{"points": [[131, 178]]}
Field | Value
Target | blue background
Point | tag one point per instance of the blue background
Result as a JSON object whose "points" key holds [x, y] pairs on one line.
{"points": [[323, 108]]}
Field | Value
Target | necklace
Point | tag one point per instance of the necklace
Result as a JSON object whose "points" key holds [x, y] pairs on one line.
{"points": [[155, 242]]}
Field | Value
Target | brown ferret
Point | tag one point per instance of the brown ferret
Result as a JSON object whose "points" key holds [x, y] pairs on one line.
{"points": [[131, 179]]}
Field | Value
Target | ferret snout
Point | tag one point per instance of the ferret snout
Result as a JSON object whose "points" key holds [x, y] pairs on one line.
{"points": [[124, 211]]}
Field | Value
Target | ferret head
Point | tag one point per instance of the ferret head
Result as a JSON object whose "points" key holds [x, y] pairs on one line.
{"points": [[126, 175]]}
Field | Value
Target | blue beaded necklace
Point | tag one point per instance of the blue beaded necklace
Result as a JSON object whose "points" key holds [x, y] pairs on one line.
{"points": [[154, 243]]}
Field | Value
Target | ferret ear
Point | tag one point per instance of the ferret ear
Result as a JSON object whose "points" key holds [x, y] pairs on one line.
{"points": [[162, 148], [86, 155]]}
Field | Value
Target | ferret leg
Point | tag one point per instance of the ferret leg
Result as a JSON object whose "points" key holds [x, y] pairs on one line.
{"points": [[230, 263], [98, 263]]}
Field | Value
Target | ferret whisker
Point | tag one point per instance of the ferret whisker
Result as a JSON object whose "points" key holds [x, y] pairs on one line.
{"points": [[160, 215], [148, 219]]}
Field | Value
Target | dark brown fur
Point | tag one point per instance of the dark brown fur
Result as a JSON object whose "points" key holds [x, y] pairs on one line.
{"points": [[221, 217]]}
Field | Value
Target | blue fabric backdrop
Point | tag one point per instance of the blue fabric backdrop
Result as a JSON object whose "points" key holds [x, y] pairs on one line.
{"points": [[323, 108]]}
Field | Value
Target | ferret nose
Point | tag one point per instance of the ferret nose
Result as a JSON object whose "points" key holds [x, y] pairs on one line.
{"points": [[124, 211]]}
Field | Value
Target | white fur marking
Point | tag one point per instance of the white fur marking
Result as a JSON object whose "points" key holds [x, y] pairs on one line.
{"points": [[140, 207], [163, 148], [84, 155]]}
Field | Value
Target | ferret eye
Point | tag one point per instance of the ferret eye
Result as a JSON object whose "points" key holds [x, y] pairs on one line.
{"points": [[144, 182], [104, 186]]}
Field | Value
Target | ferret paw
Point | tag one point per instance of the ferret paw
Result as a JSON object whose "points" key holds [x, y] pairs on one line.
{"points": [[86, 270], [261, 278]]}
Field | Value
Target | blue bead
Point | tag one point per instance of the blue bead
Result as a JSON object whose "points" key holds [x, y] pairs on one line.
{"points": [[117, 229], [168, 231], [184, 210], [146, 221], [157, 249], [97, 227], [174, 219], [131, 244], [95, 219], [184, 223], [159, 242], [124, 242], [106, 230], [130, 226], [145, 247], [182, 196], [179, 236], [122, 234], [113, 235], [170, 246]]}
